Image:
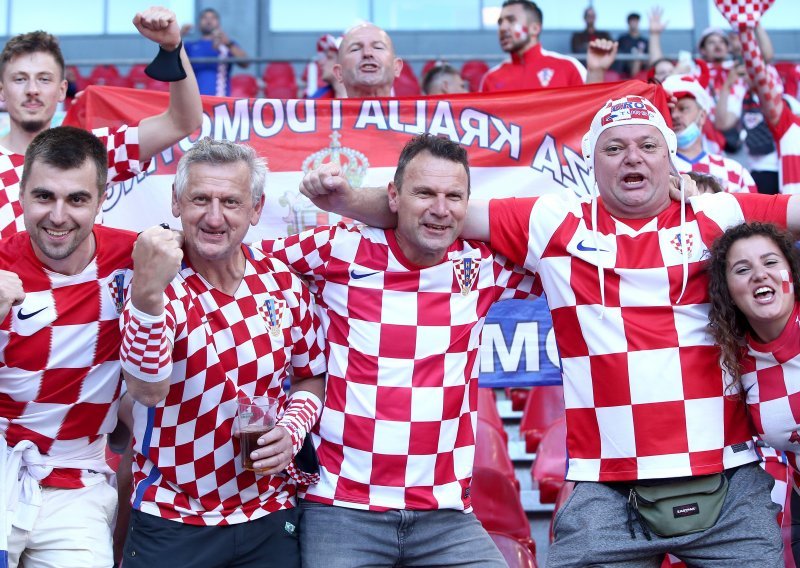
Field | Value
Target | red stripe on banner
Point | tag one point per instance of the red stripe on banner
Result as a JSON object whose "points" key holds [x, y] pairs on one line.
{"points": [[537, 129]]}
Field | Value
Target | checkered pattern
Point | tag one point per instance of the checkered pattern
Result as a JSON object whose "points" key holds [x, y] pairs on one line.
{"points": [[743, 14], [187, 465], [644, 392], [59, 375], [302, 413], [398, 427], [771, 377], [145, 351], [537, 68], [732, 175], [123, 163]]}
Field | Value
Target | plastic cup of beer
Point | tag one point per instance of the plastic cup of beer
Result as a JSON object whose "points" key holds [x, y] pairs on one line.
{"points": [[257, 416]]}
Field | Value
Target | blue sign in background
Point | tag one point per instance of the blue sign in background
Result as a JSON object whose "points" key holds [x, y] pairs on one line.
{"points": [[517, 346]]}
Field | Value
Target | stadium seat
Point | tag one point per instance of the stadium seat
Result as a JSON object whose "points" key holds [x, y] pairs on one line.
{"points": [[406, 85], [137, 78], [545, 405], [107, 75], [244, 86], [496, 503], [487, 410], [514, 553], [280, 81], [550, 466], [473, 71], [491, 451], [518, 396], [156, 85]]}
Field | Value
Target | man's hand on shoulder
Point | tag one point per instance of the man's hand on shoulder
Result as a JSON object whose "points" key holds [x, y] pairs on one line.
{"points": [[160, 26], [11, 292]]}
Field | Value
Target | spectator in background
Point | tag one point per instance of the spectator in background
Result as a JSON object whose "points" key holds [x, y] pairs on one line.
{"points": [[443, 79], [367, 64], [213, 78], [325, 85], [529, 66], [634, 43], [706, 183], [580, 40], [688, 117], [660, 67]]}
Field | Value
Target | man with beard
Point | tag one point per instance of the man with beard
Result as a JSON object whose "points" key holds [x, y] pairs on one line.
{"points": [[32, 83], [529, 66], [367, 64]]}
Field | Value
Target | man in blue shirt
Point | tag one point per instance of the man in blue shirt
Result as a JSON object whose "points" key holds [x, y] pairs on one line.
{"points": [[213, 78]]}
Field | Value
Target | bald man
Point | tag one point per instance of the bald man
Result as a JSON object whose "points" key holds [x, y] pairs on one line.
{"points": [[367, 63]]}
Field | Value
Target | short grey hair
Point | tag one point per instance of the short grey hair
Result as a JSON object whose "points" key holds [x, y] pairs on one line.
{"points": [[219, 152]]}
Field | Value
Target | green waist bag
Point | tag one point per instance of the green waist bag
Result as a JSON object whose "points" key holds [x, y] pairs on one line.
{"points": [[677, 508]]}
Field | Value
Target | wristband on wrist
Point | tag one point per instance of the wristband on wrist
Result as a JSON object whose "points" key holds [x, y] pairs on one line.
{"points": [[302, 412], [167, 65], [145, 352]]}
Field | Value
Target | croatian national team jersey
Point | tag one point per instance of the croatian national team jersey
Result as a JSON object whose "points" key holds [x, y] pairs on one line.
{"points": [[643, 388], [187, 465], [123, 163], [732, 175], [398, 427], [787, 137], [771, 379], [537, 68], [59, 351]]}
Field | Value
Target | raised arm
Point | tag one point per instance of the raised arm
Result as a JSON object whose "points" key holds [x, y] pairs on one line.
{"points": [[146, 353], [184, 114], [657, 26], [329, 190], [744, 15], [600, 55]]}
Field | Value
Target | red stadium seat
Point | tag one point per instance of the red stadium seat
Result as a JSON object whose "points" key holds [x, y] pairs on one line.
{"points": [[473, 71], [496, 503], [518, 397], [491, 451], [244, 86], [515, 554], [156, 85], [612, 76], [137, 78], [107, 75], [406, 85], [550, 466], [280, 81], [487, 410], [544, 406]]}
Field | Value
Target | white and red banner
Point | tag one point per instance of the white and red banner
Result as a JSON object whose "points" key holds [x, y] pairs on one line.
{"points": [[519, 143]]}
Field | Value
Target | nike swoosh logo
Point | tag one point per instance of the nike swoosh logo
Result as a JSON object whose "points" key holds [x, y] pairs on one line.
{"points": [[358, 276], [22, 316], [583, 248]]}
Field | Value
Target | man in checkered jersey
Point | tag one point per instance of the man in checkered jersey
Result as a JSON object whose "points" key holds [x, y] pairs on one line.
{"points": [[62, 285], [688, 117], [402, 312], [645, 395], [32, 84], [232, 322]]}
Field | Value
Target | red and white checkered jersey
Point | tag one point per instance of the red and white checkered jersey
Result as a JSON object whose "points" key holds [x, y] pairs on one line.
{"points": [[787, 136], [732, 175], [59, 350], [771, 379], [398, 427], [123, 163], [643, 388], [187, 466]]}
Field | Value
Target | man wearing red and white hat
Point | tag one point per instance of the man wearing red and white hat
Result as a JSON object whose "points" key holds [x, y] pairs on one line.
{"points": [[689, 115]]}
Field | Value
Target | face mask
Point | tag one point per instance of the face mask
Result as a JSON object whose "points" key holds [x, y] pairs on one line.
{"points": [[688, 135]]}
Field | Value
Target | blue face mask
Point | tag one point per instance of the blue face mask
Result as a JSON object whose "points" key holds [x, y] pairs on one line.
{"points": [[688, 135]]}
